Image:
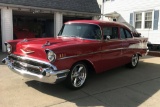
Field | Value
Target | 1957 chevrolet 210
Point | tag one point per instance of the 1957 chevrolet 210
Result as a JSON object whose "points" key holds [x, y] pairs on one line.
{"points": [[80, 48]]}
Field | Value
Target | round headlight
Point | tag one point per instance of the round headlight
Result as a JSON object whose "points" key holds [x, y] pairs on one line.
{"points": [[9, 48], [51, 56]]}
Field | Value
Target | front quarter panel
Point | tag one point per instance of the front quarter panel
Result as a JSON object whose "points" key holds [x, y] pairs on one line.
{"points": [[69, 55]]}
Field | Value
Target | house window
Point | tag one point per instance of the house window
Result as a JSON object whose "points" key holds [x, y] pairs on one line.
{"points": [[148, 20], [144, 20], [138, 20]]}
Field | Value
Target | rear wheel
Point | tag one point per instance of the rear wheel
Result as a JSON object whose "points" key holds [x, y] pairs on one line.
{"points": [[134, 61], [77, 76]]}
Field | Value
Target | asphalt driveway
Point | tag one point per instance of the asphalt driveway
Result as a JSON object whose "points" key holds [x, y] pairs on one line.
{"points": [[120, 87]]}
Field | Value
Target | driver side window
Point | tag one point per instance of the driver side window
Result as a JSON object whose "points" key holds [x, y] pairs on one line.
{"points": [[92, 32]]}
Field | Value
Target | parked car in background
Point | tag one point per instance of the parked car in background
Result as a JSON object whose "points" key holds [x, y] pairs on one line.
{"points": [[22, 33], [81, 47]]}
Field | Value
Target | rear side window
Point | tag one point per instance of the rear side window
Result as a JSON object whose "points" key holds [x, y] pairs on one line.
{"points": [[125, 33], [110, 31], [128, 34], [123, 36]]}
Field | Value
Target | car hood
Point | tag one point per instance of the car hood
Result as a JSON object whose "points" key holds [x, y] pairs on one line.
{"points": [[50, 42], [36, 47]]}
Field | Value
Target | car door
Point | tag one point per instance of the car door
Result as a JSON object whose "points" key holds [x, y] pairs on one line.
{"points": [[111, 48], [127, 42]]}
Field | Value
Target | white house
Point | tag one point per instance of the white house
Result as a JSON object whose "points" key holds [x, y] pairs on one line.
{"points": [[100, 3], [143, 15]]}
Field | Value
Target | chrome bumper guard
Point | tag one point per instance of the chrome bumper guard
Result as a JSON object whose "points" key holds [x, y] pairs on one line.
{"points": [[47, 75], [146, 52]]}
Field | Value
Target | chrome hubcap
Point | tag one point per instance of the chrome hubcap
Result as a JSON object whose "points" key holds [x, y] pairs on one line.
{"points": [[134, 60], [78, 75]]}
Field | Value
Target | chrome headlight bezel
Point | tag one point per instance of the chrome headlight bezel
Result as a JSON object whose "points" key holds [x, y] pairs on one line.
{"points": [[51, 56], [9, 48]]}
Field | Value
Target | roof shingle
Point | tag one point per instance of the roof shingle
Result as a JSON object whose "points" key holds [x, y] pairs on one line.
{"points": [[89, 6]]}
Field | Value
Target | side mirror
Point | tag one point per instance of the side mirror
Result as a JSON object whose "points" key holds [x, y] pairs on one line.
{"points": [[108, 37]]}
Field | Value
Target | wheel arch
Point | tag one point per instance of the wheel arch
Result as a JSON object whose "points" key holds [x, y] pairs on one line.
{"points": [[139, 54], [89, 65]]}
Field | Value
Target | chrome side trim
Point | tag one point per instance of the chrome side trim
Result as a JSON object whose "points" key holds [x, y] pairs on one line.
{"points": [[79, 55], [91, 53], [36, 60], [108, 50]]}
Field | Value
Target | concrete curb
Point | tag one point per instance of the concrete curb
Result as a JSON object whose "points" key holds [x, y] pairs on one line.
{"points": [[154, 53]]}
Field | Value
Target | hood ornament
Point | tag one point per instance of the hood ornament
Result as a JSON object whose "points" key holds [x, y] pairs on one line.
{"points": [[24, 40], [46, 44], [27, 51]]}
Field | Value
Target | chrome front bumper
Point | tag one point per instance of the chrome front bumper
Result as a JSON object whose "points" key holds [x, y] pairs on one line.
{"points": [[47, 75]]}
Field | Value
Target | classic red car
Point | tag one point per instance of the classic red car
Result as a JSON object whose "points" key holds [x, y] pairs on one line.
{"points": [[80, 48]]}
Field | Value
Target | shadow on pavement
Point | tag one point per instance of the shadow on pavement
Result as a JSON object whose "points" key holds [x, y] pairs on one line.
{"points": [[120, 87]]}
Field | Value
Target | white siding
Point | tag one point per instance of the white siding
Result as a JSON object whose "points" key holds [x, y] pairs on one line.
{"points": [[100, 3], [58, 22], [131, 5], [6, 26], [125, 7]]}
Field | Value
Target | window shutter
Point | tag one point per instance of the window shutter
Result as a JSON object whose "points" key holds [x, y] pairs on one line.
{"points": [[131, 19], [156, 20]]}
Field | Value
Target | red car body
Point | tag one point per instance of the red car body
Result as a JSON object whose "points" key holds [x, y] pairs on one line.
{"points": [[99, 54]]}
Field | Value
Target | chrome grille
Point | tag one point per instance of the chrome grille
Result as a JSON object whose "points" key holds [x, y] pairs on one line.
{"points": [[28, 65]]}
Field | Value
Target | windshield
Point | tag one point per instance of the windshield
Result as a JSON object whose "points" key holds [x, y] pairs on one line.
{"points": [[87, 31]]}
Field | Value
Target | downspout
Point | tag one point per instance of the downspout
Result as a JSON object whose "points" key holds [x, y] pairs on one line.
{"points": [[103, 9]]}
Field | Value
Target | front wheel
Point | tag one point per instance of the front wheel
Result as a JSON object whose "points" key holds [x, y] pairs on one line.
{"points": [[77, 76], [134, 61]]}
